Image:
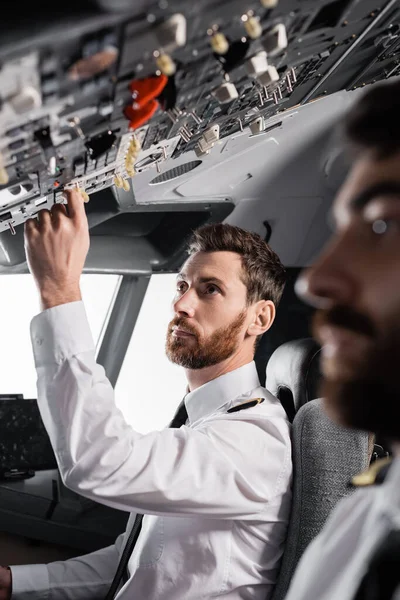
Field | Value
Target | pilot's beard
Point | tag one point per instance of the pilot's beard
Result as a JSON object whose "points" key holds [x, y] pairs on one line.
{"points": [[370, 399], [208, 352]]}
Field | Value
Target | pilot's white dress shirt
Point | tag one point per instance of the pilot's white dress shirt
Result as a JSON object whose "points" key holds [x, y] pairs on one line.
{"points": [[336, 561], [216, 492]]}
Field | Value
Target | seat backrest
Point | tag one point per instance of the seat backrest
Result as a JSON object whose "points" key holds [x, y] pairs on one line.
{"points": [[293, 374], [325, 455], [325, 458]]}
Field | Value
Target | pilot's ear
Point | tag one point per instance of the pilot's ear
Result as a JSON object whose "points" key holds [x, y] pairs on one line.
{"points": [[264, 316]]}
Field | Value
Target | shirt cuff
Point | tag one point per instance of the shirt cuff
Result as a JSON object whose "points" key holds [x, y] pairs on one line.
{"points": [[59, 333], [30, 582]]}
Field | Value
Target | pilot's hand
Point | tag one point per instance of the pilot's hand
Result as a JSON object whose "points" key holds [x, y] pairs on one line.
{"points": [[56, 247], [5, 584]]}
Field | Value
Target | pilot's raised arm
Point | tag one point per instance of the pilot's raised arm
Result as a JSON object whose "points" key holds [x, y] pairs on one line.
{"points": [[220, 465], [217, 487]]}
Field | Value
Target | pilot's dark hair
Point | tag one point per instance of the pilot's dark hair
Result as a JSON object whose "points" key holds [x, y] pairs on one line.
{"points": [[263, 273], [374, 121]]}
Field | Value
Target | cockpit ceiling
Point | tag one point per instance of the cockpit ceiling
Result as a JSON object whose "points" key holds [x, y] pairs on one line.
{"points": [[75, 104]]}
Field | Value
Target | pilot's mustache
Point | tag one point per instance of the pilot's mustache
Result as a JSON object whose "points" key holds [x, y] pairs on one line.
{"points": [[345, 317], [179, 322]]}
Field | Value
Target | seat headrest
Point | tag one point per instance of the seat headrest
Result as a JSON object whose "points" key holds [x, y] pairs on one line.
{"points": [[293, 374]]}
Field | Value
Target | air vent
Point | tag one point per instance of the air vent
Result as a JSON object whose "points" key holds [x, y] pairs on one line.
{"points": [[175, 172]]}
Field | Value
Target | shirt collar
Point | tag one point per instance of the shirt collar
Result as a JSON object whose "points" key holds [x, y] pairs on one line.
{"points": [[214, 394]]}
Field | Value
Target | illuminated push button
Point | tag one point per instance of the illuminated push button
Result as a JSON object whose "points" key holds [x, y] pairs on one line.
{"points": [[269, 3], [135, 146], [253, 27], [130, 156], [4, 177], [84, 195], [130, 170], [129, 162], [118, 181], [219, 43], [166, 64]]}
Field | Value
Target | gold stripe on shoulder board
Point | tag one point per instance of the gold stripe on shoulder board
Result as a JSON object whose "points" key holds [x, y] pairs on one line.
{"points": [[244, 405], [368, 477]]}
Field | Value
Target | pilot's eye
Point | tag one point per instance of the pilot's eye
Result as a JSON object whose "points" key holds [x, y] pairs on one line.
{"points": [[382, 217], [181, 286], [212, 289], [379, 226], [383, 226]]}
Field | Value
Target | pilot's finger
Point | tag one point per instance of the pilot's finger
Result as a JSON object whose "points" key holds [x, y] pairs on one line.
{"points": [[76, 208], [58, 210], [44, 218], [31, 225]]}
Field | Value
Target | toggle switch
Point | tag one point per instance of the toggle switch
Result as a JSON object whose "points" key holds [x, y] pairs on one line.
{"points": [[226, 93], [270, 76], [276, 40], [257, 64]]}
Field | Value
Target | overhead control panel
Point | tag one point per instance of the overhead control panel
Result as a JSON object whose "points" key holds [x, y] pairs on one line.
{"points": [[93, 99]]}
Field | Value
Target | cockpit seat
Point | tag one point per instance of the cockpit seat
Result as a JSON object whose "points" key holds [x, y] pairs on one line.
{"points": [[325, 455], [293, 374]]}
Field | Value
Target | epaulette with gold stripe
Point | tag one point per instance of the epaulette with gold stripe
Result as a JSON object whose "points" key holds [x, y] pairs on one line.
{"points": [[245, 405], [374, 475]]}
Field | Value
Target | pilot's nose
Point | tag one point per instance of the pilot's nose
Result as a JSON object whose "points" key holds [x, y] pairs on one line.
{"points": [[330, 280], [184, 305]]}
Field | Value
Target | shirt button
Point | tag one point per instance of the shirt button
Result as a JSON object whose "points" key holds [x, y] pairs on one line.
{"points": [[39, 341]]}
